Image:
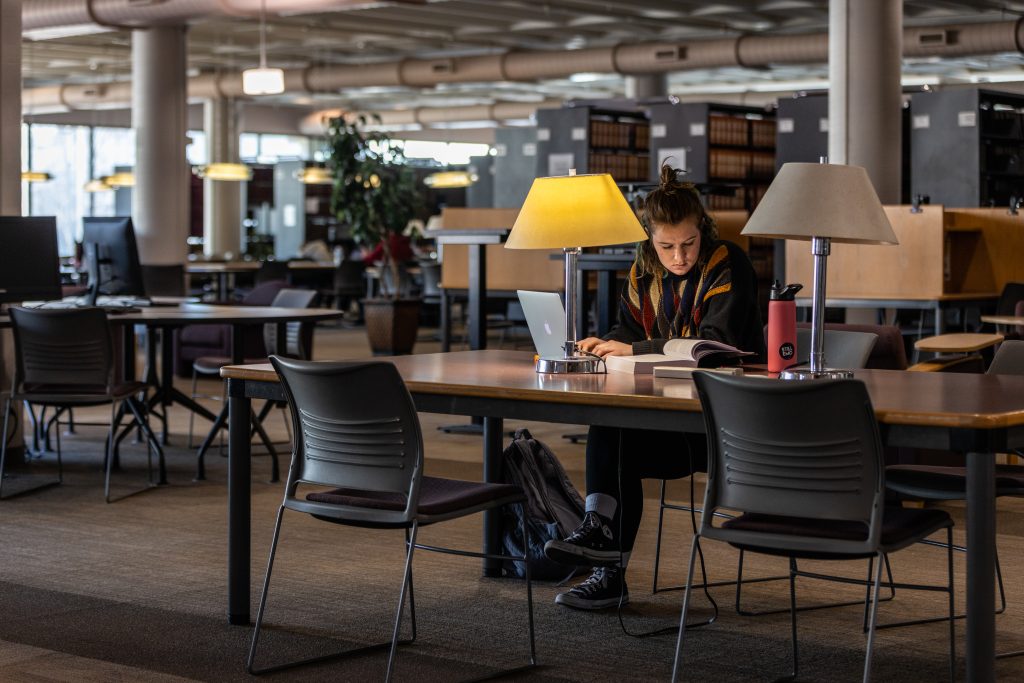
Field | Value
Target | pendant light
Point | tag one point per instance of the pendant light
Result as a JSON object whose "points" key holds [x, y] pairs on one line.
{"points": [[264, 80]]}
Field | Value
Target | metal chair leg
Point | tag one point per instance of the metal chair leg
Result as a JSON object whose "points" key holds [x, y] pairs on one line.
{"points": [[872, 621], [686, 608], [406, 578]]}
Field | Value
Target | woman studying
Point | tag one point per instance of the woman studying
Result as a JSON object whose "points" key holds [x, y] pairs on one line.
{"points": [[685, 282]]}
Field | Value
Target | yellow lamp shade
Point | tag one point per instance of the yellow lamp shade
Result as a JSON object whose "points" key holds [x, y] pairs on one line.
{"points": [[574, 211]]}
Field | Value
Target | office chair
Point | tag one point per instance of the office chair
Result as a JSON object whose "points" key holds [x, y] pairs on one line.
{"points": [[803, 463], [358, 436], [63, 359], [298, 344], [934, 482], [843, 349]]}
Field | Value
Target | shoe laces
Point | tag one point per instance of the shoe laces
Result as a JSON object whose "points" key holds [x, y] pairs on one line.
{"points": [[590, 522], [598, 579]]}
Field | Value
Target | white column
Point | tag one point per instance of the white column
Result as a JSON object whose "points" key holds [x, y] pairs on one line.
{"points": [[865, 96], [10, 108], [160, 198], [222, 209]]}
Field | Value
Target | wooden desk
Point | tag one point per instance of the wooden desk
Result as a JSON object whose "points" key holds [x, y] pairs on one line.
{"points": [[1010, 320], [965, 342], [224, 270], [978, 415]]}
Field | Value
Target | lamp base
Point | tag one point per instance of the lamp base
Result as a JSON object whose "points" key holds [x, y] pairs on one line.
{"points": [[579, 365], [807, 373]]}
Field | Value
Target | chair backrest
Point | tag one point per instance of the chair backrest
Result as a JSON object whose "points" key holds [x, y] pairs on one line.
{"points": [[1008, 298], [62, 347], [297, 345], [843, 348], [431, 279], [263, 294], [794, 449], [355, 426], [1008, 359]]}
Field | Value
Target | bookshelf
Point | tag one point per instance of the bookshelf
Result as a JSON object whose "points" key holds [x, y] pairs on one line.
{"points": [[593, 140]]}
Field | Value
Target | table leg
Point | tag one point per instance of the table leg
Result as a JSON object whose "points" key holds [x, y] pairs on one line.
{"points": [[239, 503], [446, 322], [492, 474], [477, 297], [981, 543]]}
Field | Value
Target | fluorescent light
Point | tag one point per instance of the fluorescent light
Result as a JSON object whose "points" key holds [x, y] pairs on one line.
{"points": [[446, 179], [120, 179], [97, 185]]}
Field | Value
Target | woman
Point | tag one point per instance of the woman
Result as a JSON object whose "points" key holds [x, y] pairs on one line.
{"points": [[685, 282]]}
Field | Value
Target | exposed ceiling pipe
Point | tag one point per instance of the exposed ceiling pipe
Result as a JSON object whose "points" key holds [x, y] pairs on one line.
{"points": [[746, 51], [43, 14], [315, 123]]}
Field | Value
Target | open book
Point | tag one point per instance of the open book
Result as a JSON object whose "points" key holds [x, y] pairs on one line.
{"points": [[679, 352]]}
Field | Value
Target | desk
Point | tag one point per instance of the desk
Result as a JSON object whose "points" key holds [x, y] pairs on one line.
{"points": [[1010, 320], [982, 300], [224, 270], [476, 239], [978, 415]]}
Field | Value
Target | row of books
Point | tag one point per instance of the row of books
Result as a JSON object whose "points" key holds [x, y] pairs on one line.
{"points": [[745, 197], [622, 167], [623, 134], [740, 164], [741, 132]]}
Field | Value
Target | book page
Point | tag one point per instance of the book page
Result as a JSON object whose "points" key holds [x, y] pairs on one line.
{"points": [[644, 363]]}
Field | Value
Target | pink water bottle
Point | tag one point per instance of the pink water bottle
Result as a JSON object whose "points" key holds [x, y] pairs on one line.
{"points": [[782, 326]]}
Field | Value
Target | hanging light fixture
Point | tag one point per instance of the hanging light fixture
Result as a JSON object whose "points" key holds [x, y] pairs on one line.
{"points": [[264, 80], [224, 171], [315, 175], [447, 179], [97, 185], [119, 179], [35, 176]]}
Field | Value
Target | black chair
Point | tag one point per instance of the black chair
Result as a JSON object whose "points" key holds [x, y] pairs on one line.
{"points": [[358, 435], [803, 464], [848, 349], [63, 359], [936, 482], [298, 344]]}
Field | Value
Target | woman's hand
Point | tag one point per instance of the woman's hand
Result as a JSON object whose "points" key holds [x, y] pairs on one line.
{"points": [[603, 348]]}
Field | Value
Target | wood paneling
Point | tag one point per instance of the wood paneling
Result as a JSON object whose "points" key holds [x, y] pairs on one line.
{"points": [[507, 269]]}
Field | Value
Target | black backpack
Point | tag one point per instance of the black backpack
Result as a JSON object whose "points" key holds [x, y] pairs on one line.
{"points": [[553, 509]]}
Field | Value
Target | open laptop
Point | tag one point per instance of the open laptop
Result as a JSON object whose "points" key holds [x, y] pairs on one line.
{"points": [[545, 316]]}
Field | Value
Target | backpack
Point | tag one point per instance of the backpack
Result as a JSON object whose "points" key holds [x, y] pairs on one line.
{"points": [[554, 508]]}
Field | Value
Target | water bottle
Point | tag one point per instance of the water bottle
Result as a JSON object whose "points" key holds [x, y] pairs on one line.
{"points": [[782, 326]]}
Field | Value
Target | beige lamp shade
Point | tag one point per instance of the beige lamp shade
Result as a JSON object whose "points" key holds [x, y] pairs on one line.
{"points": [[574, 211], [821, 200]]}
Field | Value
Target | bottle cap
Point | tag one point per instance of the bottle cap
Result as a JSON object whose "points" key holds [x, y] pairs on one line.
{"points": [[787, 293]]}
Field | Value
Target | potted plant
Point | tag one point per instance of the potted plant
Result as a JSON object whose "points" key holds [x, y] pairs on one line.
{"points": [[375, 194]]}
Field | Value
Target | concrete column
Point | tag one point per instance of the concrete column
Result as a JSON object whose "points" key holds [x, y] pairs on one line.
{"points": [[10, 173], [643, 86], [865, 97], [10, 108], [222, 209], [160, 198]]}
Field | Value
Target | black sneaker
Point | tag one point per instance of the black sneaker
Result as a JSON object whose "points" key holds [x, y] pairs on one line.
{"points": [[592, 544], [603, 589]]}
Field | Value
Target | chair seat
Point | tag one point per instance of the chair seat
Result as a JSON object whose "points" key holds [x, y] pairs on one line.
{"points": [[46, 394], [438, 497], [900, 527], [211, 365], [948, 483]]}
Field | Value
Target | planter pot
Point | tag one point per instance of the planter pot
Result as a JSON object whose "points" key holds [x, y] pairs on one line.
{"points": [[391, 325]]}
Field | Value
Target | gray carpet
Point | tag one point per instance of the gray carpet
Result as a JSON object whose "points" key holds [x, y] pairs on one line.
{"points": [[142, 583]]}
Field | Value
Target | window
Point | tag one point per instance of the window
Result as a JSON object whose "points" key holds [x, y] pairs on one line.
{"points": [[63, 152]]}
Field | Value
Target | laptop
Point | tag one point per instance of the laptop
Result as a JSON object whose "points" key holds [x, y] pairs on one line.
{"points": [[545, 316]]}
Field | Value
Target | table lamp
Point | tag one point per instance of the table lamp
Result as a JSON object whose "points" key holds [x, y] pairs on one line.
{"points": [[823, 203], [568, 213]]}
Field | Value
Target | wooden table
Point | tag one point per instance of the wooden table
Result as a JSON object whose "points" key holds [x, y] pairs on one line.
{"points": [[224, 270], [978, 415], [1010, 320], [982, 300], [961, 342]]}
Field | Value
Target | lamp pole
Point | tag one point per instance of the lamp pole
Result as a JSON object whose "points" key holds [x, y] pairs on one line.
{"points": [[571, 254], [820, 248]]}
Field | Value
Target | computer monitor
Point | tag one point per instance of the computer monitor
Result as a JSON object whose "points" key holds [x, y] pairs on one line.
{"points": [[29, 262], [111, 257]]}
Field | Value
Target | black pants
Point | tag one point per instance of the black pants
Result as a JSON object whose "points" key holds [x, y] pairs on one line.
{"points": [[645, 454]]}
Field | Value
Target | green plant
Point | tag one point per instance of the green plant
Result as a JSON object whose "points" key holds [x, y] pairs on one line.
{"points": [[375, 191]]}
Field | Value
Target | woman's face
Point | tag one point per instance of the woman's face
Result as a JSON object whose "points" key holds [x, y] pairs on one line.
{"points": [[677, 245]]}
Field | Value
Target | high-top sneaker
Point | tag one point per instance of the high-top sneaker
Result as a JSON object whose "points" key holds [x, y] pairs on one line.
{"points": [[591, 544], [603, 589]]}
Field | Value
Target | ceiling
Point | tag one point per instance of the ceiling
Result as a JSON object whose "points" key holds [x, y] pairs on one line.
{"points": [[389, 31]]}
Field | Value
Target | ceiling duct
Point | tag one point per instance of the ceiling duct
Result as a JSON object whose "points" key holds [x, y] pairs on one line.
{"points": [[629, 59]]}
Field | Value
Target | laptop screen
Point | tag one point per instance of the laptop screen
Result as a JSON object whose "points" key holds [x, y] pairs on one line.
{"points": [[545, 315]]}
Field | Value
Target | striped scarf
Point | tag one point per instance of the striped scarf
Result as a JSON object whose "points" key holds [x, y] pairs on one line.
{"points": [[644, 299]]}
